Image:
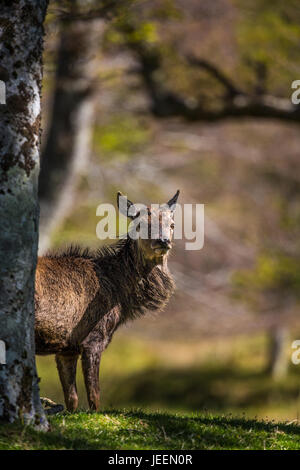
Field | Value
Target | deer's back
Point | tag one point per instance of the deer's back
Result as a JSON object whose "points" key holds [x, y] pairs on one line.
{"points": [[65, 290]]}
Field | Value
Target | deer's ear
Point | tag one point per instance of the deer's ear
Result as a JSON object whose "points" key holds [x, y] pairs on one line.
{"points": [[172, 202], [126, 207]]}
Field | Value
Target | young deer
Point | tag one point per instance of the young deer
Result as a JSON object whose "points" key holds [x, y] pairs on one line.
{"points": [[81, 298]]}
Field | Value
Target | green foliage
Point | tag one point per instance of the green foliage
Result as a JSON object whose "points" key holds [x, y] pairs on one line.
{"points": [[268, 33], [144, 32], [271, 272], [120, 137], [134, 429], [135, 23], [278, 275]]}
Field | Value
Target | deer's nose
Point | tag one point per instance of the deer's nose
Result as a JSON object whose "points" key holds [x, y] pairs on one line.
{"points": [[165, 242]]}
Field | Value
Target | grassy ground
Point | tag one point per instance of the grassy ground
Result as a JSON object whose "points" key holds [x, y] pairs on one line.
{"points": [[220, 376], [139, 430], [210, 395]]}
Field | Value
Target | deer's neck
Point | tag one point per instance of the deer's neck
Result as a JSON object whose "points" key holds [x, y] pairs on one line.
{"points": [[140, 285]]}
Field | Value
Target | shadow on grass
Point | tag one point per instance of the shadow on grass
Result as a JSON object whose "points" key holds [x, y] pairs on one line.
{"points": [[217, 432], [174, 421], [199, 388], [16, 437]]}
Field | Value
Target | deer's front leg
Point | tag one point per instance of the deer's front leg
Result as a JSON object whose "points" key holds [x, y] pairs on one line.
{"points": [[90, 358], [66, 366]]}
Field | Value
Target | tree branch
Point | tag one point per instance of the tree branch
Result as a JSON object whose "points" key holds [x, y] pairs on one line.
{"points": [[236, 104], [231, 88], [267, 107]]}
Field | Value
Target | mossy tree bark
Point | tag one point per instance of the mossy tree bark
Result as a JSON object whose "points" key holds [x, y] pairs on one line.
{"points": [[21, 30]]}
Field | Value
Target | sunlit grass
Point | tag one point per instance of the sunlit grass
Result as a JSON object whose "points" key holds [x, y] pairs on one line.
{"points": [[135, 429]]}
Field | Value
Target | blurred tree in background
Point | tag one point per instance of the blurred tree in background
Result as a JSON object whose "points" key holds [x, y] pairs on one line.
{"points": [[66, 150], [273, 286]]}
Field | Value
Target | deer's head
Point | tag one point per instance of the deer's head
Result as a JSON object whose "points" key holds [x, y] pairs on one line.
{"points": [[152, 226]]}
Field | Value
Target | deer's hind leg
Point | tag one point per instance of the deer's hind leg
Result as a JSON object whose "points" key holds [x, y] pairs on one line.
{"points": [[66, 366]]}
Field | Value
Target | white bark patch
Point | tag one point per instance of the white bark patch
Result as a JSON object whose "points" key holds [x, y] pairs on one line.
{"points": [[2, 352]]}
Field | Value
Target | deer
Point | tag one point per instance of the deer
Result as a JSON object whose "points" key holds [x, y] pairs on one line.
{"points": [[82, 297]]}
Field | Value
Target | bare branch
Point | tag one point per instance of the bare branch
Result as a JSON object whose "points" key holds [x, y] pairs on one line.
{"points": [[231, 88]]}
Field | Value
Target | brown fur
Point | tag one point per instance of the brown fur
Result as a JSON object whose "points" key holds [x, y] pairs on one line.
{"points": [[81, 298]]}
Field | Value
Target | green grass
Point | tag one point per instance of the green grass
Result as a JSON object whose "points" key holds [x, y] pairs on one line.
{"points": [[219, 376], [139, 430], [208, 395]]}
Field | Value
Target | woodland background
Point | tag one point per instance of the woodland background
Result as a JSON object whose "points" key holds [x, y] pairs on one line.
{"points": [[150, 96]]}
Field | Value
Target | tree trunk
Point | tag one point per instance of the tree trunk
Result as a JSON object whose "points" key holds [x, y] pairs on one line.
{"points": [[278, 352], [21, 28], [67, 148]]}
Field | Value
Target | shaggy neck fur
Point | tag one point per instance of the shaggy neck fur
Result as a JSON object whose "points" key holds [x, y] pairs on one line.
{"points": [[137, 285]]}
